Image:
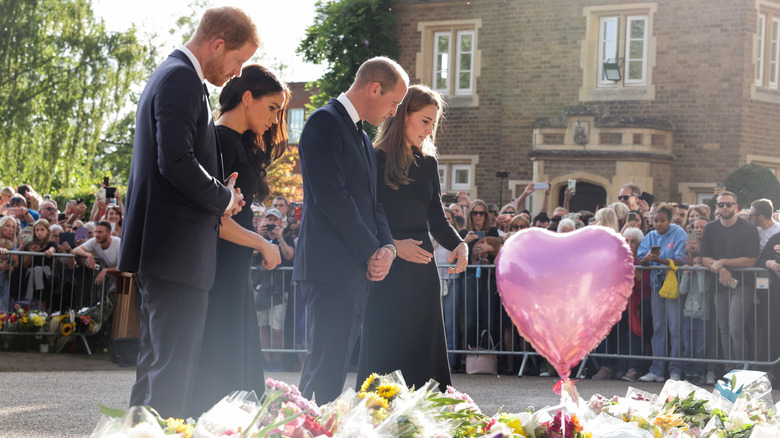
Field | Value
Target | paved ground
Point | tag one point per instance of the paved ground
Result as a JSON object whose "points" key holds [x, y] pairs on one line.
{"points": [[48, 395]]}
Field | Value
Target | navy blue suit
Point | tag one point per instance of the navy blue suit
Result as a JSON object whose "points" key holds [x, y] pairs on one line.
{"points": [[174, 202], [343, 225]]}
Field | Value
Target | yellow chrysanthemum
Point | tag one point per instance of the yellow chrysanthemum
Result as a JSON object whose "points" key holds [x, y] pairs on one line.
{"points": [[367, 383], [38, 320], [387, 391]]}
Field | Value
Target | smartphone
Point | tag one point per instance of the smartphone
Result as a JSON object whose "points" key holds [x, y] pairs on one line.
{"points": [[22, 190], [82, 233], [572, 185], [79, 201], [105, 181], [647, 197], [541, 186], [693, 236], [102, 193], [110, 192], [733, 283], [480, 234], [298, 211], [632, 217], [720, 185], [270, 227], [61, 217], [68, 237], [450, 199], [656, 249]]}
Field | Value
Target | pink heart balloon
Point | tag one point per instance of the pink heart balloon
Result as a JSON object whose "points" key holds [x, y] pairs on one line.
{"points": [[564, 292]]}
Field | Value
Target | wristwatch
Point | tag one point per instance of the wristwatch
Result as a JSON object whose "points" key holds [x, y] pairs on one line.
{"points": [[392, 250]]}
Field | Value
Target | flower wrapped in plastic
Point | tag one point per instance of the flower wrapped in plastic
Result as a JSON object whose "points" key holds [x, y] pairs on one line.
{"points": [[234, 414], [137, 422]]}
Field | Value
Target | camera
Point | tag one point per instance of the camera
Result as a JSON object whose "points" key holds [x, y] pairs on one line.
{"points": [[270, 227], [450, 199]]}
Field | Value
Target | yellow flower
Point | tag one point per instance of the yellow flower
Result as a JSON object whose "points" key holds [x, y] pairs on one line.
{"points": [[66, 329], [179, 426], [374, 401], [367, 383], [668, 421], [513, 423], [387, 391]]}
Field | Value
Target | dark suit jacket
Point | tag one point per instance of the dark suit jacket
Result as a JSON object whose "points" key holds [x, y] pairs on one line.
{"points": [[343, 224], [175, 197]]}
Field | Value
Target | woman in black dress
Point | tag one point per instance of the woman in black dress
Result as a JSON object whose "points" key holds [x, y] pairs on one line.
{"points": [[404, 326], [252, 132]]}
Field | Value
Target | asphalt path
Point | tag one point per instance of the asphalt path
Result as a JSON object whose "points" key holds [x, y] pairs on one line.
{"points": [[57, 395]]}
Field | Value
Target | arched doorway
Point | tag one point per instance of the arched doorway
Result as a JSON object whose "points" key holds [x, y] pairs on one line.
{"points": [[587, 197]]}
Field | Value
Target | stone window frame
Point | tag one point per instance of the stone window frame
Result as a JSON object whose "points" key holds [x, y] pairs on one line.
{"points": [[765, 86], [425, 62], [449, 163], [593, 88]]}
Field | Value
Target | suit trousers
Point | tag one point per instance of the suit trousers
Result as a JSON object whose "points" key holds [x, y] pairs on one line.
{"points": [[172, 324], [335, 316]]}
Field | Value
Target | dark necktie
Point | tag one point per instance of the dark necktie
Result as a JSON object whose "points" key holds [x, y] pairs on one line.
{"points": [[362, 138]]}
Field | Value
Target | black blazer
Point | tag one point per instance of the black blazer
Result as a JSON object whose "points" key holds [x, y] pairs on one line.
{"points": [[175, 197], [343, 224]]}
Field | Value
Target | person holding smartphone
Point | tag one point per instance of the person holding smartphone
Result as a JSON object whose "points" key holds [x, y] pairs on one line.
{"points": [[666, 242]]}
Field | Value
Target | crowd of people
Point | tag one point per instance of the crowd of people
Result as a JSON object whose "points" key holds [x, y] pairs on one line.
{"points": [[719, 313], [33, 223]]}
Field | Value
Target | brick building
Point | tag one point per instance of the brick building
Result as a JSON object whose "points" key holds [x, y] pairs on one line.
{"points": [[532, 90]]}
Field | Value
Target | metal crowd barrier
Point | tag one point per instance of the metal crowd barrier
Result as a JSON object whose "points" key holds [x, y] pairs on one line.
{"points": [[473, 314], [56, 286]]}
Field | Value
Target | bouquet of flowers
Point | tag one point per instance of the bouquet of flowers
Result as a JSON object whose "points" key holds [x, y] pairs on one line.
{"points": [[23, 319]]}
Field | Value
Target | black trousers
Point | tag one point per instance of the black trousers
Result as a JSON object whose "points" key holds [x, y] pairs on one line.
{"points": [[335, 316], [172, 322]]}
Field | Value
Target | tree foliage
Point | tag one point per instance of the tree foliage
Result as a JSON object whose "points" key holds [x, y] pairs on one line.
{"points": [[281, 178], [751, 182], [345, 34], [64, 79]]}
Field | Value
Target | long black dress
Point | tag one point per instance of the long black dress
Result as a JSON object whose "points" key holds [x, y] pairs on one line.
{"points": [[404, 325], [231, 357]]}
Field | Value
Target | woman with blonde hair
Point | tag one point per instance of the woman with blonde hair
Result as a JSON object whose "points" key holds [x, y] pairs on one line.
{"points": [[606, 217], [409, 297]]}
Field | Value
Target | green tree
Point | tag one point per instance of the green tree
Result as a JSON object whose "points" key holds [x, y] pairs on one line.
{"points": [[345, 34], [63, 80], [751, 182]]}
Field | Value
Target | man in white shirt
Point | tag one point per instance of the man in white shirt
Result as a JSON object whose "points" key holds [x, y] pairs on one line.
{"points": [[761, 216], [104, 248]]}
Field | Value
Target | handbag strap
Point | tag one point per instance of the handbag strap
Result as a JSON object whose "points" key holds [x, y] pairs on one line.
{"points": [[492, 344]]}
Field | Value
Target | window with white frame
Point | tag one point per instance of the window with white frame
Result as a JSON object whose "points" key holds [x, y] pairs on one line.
{"points": [[456, 173], [622, 37], [623, 40], [295, 124], [453, 50], [767, 54], [443, 176], [461, 177], [449, 59]]}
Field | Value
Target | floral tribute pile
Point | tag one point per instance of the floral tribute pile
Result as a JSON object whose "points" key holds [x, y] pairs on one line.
{"points": [[385, 407], [56, 329]]}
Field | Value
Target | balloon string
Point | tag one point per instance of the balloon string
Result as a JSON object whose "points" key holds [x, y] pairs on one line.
{"points": [[566, 385]]}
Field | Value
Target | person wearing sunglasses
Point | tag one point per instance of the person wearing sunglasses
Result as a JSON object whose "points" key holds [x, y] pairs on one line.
{"points": [[727, 244]]}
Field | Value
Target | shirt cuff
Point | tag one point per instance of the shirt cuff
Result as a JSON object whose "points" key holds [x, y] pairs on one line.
{"points": [[229, 203]]}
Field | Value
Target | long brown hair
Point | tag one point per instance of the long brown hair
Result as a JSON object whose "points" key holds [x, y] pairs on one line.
{"points": [[262, 150], [392, 139], [485, 223]]}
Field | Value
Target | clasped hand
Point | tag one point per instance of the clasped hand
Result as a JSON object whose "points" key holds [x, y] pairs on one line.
{"points": [[379, 264], [238, 198]]}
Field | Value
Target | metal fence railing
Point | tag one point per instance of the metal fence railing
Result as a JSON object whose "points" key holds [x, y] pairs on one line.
{"points": [[719, 325]]}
